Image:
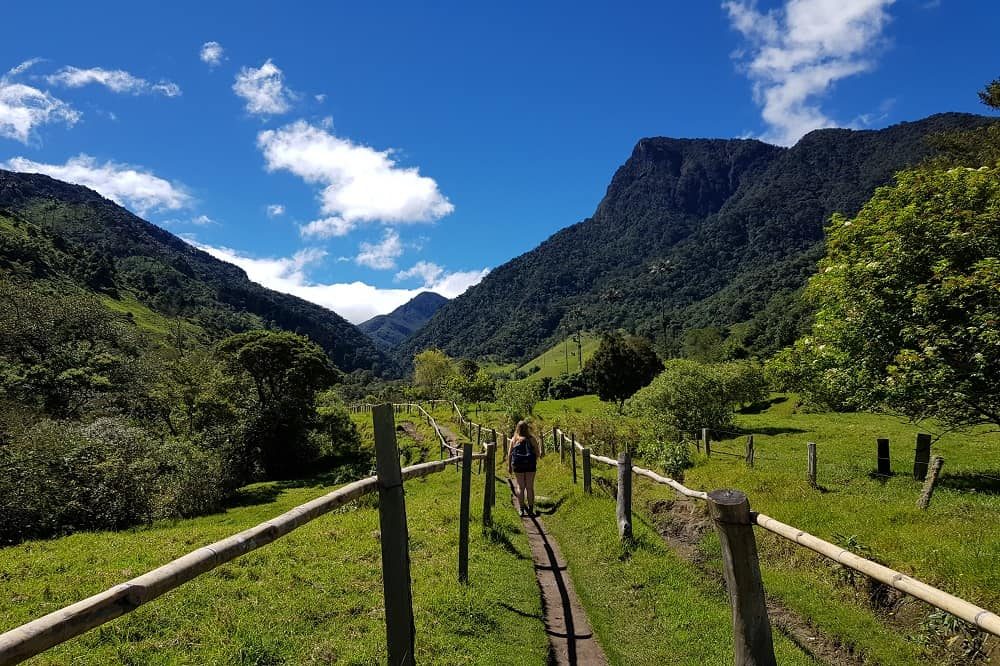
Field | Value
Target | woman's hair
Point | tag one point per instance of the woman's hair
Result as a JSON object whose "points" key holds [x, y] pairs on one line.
{"points": [[523, 430]]}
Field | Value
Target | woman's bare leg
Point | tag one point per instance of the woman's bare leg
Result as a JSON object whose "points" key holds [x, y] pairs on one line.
{"points": [[522, 483], [529, 480]]}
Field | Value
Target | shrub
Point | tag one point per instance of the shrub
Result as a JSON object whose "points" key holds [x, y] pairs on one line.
{"points": [[685, 397]]}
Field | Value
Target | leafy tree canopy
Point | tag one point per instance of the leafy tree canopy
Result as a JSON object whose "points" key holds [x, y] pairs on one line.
{"points": [[621, 366], [909, 302]]}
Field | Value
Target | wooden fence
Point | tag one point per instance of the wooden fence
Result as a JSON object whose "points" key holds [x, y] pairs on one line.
{"points": [[39, 635], [734, 522]]}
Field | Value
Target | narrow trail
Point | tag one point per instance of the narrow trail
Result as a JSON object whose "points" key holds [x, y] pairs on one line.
{"points": [[570, 636]]}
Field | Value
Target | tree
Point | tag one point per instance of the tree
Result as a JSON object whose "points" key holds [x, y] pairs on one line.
{"points": [[517, 400], [287, 371], [432, 371], [908, 301], [620, 367], [990, 95]]}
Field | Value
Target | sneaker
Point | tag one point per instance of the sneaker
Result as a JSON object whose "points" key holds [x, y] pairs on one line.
{"points": [[523, 512]]}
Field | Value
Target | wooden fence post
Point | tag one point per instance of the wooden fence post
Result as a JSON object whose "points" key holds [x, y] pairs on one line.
{"points": [[399, 629], [932, 479], [624, 508], [750, 451], [811, 462], [572, 453], [479, 444], [921, 456], [706, 442], [883, 460], [562, 448], [488, 485], [752, 641], [493, 485], [586, 471], [463, 515]]}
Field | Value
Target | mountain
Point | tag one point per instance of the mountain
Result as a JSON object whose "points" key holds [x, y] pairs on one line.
{"points": [[57, 231], [389, 330], [693, 235]]}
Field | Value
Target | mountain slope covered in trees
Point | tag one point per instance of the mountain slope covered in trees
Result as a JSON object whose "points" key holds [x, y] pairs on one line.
{"points": [[58, 230], [390, 330], [694, 239]]}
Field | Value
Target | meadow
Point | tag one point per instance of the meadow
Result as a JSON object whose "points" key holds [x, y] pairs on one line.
{"points": [[312, 597], [955, 544]]}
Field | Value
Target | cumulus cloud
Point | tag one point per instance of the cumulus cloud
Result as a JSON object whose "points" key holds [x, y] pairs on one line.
{"points": [[797, 52], [359, 184], [116, 80], [263, 89], [275, 210], [355, 301], [381, 255], [24, 108], [211, 53], [427, 271], [129, 186]]}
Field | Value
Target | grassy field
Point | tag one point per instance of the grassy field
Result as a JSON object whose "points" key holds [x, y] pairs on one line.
{"points": [[954, 545], [554, 361], [313, 597]]}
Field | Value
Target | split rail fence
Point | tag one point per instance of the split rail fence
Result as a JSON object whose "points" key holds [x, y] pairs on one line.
{"points": [[734, 522], [57, 627]]}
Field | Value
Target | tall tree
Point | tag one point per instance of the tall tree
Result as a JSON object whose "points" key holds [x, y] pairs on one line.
{"points": [[621, 366]]}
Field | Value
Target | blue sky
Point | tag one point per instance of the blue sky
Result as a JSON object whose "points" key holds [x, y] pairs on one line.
{"points": [[356, 153]]}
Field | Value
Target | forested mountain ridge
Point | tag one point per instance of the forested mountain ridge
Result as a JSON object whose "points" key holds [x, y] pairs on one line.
{"points": [[390, 330], [691, 234], [76, 234]]}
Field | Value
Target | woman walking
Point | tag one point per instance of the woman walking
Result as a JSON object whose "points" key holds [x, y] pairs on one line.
{"points": [[522, 462]]}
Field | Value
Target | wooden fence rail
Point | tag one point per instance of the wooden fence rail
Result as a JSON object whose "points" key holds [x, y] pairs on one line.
{"points": [[50, 630]]}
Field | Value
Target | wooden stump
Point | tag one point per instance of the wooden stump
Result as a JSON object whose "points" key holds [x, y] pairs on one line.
{"points": [[883, 460], [921, 456], [932, 478]]}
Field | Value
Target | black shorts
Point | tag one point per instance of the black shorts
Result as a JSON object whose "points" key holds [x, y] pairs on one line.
{"points": [[524, 467]]}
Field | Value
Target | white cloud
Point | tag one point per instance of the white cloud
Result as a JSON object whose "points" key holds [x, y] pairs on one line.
{"points": [[263, 89], [202, 220], [23, 108], [355, 301], [211, 53], [360, 184], [126, 185], [327, 227], [798, 52], [381, 255], [427, 271], [116, 80], [275, 210]]}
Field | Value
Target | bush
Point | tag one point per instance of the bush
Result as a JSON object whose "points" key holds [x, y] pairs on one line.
{"points": [[744, 382], [59, 477], [567, 386], [516, 400], [685, 397]]}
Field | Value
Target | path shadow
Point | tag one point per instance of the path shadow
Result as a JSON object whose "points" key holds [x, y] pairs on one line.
{"points": [[985, 483]]}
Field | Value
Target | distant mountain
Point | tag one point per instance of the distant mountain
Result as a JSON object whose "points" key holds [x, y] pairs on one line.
{"points": [[390, 330], [692, 234], [57, 231]]}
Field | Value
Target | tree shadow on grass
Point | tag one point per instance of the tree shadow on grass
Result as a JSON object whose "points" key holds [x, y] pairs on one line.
{"points": [[770, 431], [985, 483], [262, 494]]}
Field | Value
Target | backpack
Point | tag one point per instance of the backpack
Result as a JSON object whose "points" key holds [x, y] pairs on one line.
{"points": [[523, 454]]}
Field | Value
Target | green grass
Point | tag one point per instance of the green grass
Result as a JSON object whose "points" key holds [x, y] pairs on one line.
{"points": [[312, 597], [146, 319], [646, 604], [954, 545], [554, 360]]}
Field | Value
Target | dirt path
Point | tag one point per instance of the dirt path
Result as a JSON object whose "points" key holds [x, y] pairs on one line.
{"points": [[570, 636]]}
